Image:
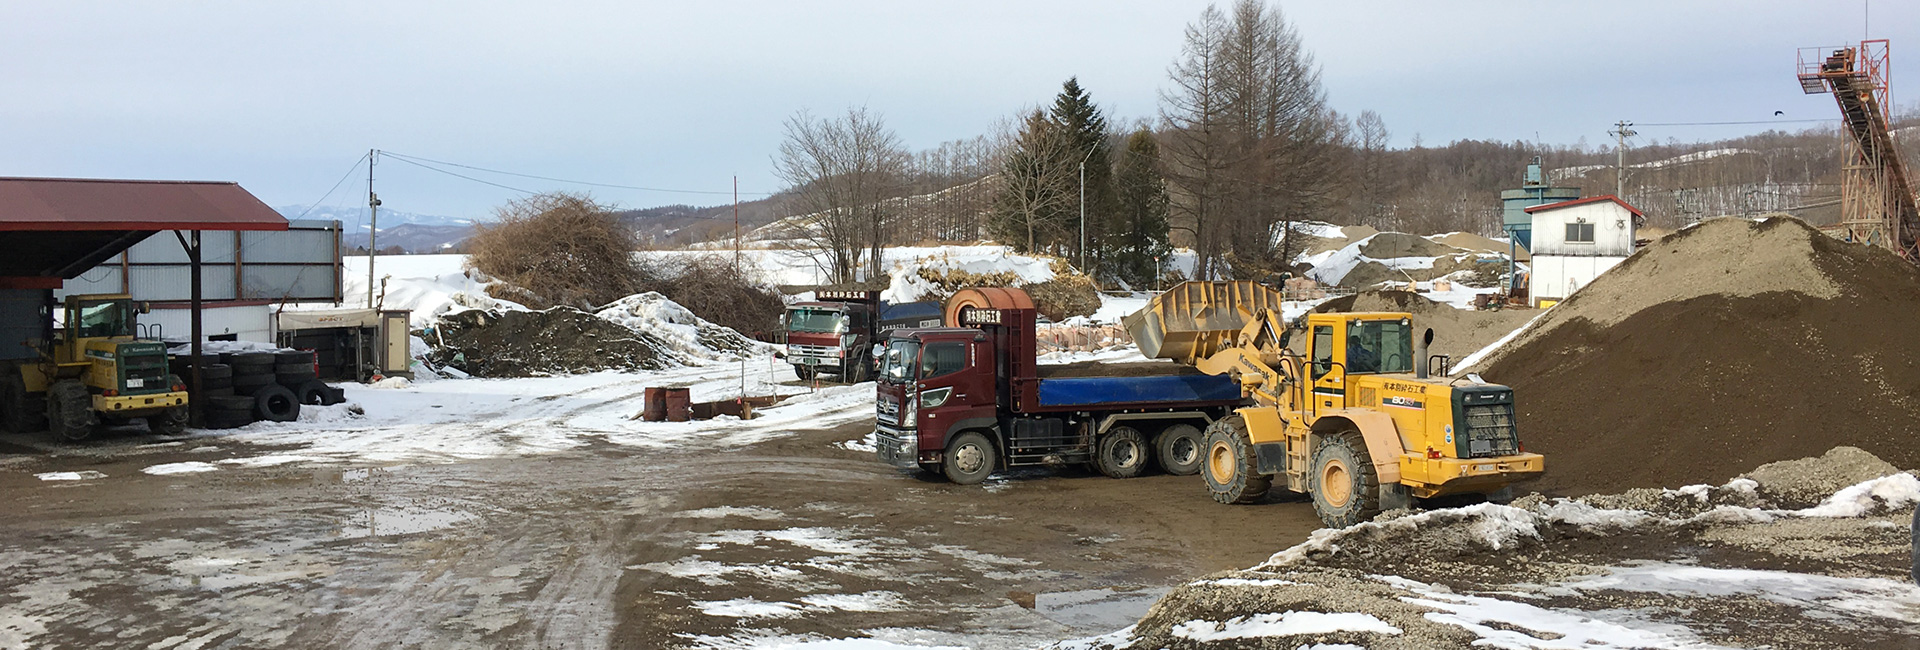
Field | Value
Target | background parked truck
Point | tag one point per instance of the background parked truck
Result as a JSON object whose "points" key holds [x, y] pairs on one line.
{"points": [[968, 401], [834, 333]]}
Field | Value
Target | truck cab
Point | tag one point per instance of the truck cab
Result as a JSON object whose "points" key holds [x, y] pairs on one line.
{"points": [[829, 337]]}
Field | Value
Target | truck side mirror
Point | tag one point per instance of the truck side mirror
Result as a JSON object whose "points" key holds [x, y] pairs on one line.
{"points": [[144, 307], [879, 350]]}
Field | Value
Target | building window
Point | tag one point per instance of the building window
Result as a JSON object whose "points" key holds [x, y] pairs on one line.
{"points": [[1580, 233]]}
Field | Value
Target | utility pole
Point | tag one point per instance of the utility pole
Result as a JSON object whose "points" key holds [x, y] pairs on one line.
{"points": [[736, 224], [373, 222], [1622, 130]]}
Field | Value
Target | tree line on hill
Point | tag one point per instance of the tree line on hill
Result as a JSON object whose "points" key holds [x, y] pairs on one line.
{"points": [[1243, 147]]}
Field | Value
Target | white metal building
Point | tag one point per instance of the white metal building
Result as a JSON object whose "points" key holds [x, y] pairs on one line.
{"points": [[246, 276], [1575, 241]]}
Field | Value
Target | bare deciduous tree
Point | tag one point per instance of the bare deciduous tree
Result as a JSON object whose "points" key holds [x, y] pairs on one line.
{"points": [[843, 171], [1038, 187]]}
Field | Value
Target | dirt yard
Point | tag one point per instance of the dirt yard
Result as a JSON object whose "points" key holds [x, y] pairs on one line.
{"points": [[600, 546]]}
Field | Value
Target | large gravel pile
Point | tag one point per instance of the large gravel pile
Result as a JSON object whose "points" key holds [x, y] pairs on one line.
{"points": [[1716, 349]]}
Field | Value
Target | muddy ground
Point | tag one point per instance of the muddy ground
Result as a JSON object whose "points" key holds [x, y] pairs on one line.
{"points": [[607, 546]]}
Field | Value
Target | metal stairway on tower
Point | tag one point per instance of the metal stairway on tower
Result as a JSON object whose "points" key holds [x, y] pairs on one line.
{"points": [[1877, 204]]}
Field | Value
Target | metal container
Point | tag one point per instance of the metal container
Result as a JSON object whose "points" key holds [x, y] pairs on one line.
{"points": [[679, 404], [654, 408]]}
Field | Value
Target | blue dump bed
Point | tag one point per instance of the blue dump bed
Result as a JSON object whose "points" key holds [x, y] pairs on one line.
{"points": [[1110, 391]]}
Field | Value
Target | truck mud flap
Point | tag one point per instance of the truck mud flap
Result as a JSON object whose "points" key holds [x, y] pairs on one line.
{"points": [[1270, 457]]}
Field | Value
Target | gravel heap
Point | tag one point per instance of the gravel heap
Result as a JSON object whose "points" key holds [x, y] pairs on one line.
{"points": [[1716, 349]]}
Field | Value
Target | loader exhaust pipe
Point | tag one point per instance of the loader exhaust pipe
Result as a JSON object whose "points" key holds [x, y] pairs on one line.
{"points": [[1420, 353]]}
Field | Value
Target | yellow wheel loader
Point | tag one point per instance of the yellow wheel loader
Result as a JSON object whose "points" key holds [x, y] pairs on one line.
{"points": [[1355, 420], [94, 368]]}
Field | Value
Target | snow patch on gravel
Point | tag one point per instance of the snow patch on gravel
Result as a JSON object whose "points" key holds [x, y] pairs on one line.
{"points": [[1282, 624]]}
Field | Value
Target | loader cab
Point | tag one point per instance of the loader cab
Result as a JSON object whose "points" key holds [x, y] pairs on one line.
{"points": [[1363, 343], [93, 318]]}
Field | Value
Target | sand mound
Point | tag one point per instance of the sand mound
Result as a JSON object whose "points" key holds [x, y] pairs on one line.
{"points": [[1716, 349], [1804, 482], [1473, 242], [1456, 332], [1389, 245]]}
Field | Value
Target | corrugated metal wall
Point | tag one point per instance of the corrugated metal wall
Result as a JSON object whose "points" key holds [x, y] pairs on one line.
{"points": [[20, 320], [301, 263]]}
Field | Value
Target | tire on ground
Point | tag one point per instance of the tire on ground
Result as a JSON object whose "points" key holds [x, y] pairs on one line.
{"points": [[969, 459], [70, 410], [292, 368], [241, 403], [251, 362], [805, 373], [276, 404], [301, 357], [1229, 466], [217, 392], [215, 371], [1122, 453], [293, 380], [313, 392], [228, 419], [1345, 488], [1180, 449]]}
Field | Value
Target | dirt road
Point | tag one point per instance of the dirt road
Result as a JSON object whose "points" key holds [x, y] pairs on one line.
{"points": [[602, 546]]}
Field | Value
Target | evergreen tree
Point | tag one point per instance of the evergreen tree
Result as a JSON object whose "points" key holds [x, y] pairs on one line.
{"points": [[1085, 129], [1137, 250]]}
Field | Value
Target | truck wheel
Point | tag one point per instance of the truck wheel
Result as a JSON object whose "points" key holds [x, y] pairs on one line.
{"points": [[1231, 470], [171, 422], [20, 411], [805, 373], [1178, 449], [969, 458], [1122, 453], [70, 410], [1346, 491]]}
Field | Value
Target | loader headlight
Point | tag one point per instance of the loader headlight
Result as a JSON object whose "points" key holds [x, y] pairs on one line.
{"points": [[934, 398]]}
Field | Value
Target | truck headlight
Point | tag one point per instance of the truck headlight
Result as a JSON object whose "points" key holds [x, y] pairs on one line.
{"points": [[934, 398]]}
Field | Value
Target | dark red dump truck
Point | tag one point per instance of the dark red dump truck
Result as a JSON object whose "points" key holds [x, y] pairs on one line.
{"points": [[968, 401]]}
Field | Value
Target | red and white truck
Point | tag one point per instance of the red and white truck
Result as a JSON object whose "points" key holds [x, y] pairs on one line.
{"points": [[834, 333]]}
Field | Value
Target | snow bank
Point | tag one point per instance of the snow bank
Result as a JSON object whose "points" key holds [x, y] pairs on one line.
{"points": [[690, 336], [1282, 624], [904, 265]]}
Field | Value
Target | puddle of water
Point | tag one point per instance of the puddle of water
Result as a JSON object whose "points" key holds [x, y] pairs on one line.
{"points": [[399, 521], [355, 475], [1097, 610]]}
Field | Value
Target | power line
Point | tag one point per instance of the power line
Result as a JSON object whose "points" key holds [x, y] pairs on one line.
{"points": [[437, 169], [1835, 119], [336, 186], [564, 180]]}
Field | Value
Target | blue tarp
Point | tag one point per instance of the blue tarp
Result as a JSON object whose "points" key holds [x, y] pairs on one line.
{"points": [[1090, 391], [910, 314]]}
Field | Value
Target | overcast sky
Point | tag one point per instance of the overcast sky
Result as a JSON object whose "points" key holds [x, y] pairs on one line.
{"points": [[283, 97]]}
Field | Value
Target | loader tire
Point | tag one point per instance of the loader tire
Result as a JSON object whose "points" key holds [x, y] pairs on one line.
{"points": [[1230, 466], [1122, 453], [70, 411], [1345, 487], [171, 422], [20, 411], [970, 458], [1180, 449]]}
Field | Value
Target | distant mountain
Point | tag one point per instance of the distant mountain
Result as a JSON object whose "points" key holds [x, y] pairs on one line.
{"points": [[417, 233]]}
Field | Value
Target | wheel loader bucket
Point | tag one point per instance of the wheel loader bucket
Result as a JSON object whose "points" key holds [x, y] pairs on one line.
{"points": [[1194, 320]]}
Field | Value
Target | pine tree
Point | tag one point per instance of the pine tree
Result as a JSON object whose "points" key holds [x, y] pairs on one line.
{"points": [[1138, 248], [1085, 129]]}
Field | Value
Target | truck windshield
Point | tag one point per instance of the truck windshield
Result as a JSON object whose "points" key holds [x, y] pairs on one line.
{"points": [[1381, 346], [107, 318], [816, 320], [898, 366]]}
